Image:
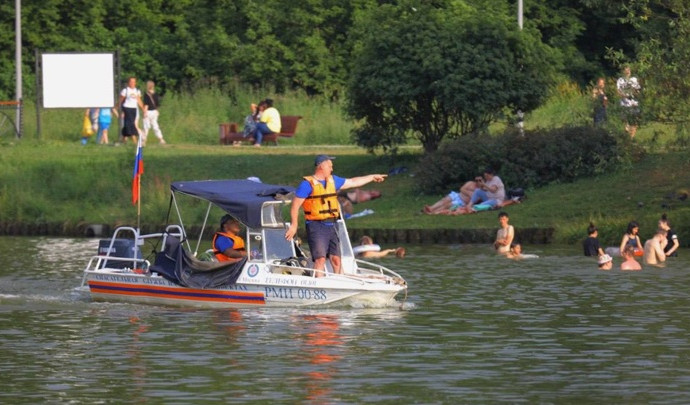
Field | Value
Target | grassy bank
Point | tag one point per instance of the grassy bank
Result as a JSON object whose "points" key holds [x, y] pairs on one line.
{"points": [[193, 118], [66, 183]]}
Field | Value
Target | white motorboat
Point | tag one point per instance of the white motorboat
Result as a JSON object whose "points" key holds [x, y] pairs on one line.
{"points": [[276, 272]]}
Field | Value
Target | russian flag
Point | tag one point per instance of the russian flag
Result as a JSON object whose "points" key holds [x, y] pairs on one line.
{"points": [[138, 170]]}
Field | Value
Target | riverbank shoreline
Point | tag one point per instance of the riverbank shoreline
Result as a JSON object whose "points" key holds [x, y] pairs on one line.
{"points": [[532, 236]]}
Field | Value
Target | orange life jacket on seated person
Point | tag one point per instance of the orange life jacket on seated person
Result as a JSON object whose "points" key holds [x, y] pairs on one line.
{"points": [[237, 244], [322, 203]]}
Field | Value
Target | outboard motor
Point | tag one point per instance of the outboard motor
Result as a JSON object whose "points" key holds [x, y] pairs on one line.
{"points": [[120, 248]]}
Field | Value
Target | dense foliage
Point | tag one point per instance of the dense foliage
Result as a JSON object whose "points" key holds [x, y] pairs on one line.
{"points": [[295, 44], [437, 73], [539, 157], [308, 45]]}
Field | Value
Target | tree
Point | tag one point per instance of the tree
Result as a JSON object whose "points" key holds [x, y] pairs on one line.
{"points": [[441, 72], [663, 59]]}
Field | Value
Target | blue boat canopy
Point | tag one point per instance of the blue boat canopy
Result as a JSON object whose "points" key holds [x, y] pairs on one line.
{"points": [[242, 199]]}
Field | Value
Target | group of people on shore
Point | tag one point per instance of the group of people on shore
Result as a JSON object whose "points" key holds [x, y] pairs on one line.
{"points": [[98, 120], [264, 119], [627, 89], [663, 244], [484, 193]]}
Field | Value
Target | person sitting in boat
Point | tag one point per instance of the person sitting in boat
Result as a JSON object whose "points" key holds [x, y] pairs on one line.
{"points": [[317, 194], [605, 262], [631, 238], [629, 262], [654, 249], [228, 246], [505, 235], [591, 244], [368, 249]]}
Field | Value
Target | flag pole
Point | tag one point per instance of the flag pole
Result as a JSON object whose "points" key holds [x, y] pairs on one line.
{"points": [[139, 189]]}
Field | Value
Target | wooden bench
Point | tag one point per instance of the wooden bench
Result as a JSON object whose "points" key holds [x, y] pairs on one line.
{"points": [[229, 132]]}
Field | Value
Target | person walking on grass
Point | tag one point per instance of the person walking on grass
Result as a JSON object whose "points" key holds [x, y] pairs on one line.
{"points": [[628, 90], [130, 100], [151, 111]]}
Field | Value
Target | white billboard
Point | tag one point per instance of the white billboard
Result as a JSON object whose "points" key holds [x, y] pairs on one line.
{"points": [[78, 80]]}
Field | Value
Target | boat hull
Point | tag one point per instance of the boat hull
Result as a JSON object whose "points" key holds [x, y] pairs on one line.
{"points": [[276, 291]]}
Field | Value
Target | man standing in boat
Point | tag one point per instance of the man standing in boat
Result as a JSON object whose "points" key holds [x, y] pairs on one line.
{"points": [[318, 195], [228, 246]]}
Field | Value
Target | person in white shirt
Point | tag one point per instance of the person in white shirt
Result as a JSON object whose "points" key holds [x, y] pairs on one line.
{"points": [[490, 191], [628, 88], [504, 235], [130, 100]]}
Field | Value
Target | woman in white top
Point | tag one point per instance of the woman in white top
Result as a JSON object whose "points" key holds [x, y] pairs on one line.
{"points": [[130, 99]]}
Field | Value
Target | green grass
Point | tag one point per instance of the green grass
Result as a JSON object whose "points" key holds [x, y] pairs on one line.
{"points": [[194, 118], [59, 183], [56, 180]]}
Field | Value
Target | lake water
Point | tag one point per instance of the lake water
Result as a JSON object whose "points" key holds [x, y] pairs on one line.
{"points": [[474, 328]]}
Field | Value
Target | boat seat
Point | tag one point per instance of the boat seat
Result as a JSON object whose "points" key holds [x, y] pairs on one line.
{"points": [[177, 265], [296, 266]]}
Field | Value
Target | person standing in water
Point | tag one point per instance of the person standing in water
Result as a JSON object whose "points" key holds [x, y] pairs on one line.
{"points": [[632, 239], [505, 235]]}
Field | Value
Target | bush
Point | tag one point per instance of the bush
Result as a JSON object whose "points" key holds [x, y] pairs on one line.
{"points": [[538, 158]]}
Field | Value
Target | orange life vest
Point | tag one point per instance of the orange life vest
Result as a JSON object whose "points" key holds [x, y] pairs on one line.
{"points": [[322, 203], [237, 244]]}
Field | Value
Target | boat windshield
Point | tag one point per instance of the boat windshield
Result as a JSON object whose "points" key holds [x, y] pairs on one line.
{"points": [[277, 247]]}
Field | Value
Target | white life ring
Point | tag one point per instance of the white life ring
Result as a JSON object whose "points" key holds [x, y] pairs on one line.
{"points": [[366, 248]]}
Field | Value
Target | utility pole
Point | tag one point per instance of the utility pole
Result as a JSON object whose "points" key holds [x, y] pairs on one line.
{"points": [[520, 114], [18, 63]]}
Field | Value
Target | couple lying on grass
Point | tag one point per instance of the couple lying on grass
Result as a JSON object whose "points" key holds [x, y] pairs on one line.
{"points": [[481, 194]]}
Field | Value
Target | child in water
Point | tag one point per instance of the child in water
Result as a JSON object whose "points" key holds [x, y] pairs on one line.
{"points": [[515, 252], [605, 262]]}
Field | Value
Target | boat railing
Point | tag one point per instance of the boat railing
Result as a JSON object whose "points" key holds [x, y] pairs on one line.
{"points": [[99, 261], [365, 265]]}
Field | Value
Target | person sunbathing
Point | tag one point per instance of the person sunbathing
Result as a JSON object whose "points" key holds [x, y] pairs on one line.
{"points": [[454, 203], [357, 196]]}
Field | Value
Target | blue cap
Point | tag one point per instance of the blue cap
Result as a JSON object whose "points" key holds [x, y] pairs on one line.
{"points": [[322, 158]]}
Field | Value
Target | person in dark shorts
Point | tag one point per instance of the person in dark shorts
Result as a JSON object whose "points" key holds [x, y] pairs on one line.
{"points": [[318, 196]]}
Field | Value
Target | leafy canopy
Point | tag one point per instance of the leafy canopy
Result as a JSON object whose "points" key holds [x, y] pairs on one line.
{"points": [[441, 72]]}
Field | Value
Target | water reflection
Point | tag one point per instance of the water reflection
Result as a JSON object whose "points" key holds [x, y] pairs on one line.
{"points": [[137, 365], [321, 345]]}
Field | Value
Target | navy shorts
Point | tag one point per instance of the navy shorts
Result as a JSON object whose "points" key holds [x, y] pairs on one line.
{"points": [[323, 240]]}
